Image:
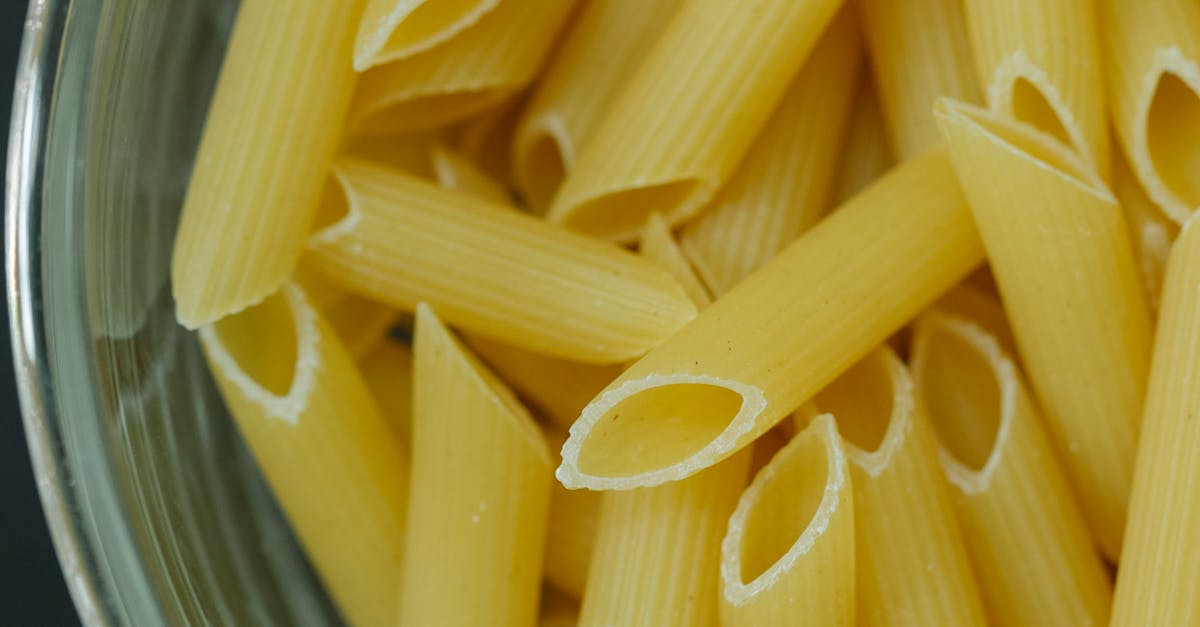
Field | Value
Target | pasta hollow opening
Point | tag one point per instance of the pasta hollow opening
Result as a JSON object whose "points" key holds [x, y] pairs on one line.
{"points": [[861, 400], [430, 22], [263, 343], [625, 211], [1173, 137], [334, 207], [424, 112], [1030, 105], [545, 169], [783, 510], [963, 396], [657, 427], [1056, 155]]}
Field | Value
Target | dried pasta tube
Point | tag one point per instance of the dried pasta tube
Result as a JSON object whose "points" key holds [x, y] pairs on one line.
{"points": [[688, 114], [332, 462], [1152, 58], [272, 128], [790, 547], [1057, 244], [479, 492], [1156, 583], [1029, 544], [759, 352], [912, 568]]}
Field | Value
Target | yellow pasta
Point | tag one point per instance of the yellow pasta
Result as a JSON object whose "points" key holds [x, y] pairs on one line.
{"points": [[557, 387], [911, 566], [1028, 542], [408, 153], [658, 551], [394, 29], [1156, 583], [688, 113], [920, 52], [359, 322], [790, 550], [454, 171], [606, 43], [1150, 230], [758, 353], [477, 69], [479, 495], [969, 301], [330, 459], [494, 272], [1057, 244], [659, 246], [866, 154], [1039, 62], [1151, 54], [780, 188], [387, 371], [571, 537], [485, 139], [272, 128]]}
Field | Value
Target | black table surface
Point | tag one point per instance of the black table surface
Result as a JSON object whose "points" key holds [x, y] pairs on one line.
{"points": [[32, 591]]}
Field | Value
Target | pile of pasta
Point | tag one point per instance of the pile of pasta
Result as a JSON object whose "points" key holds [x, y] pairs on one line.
{"points": [[826, 313]]}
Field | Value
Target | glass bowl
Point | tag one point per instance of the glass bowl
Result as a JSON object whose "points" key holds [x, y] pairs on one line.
{"points": [[158, 513]]}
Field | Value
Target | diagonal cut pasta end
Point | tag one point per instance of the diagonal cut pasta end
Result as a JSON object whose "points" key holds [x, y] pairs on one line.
{"points": [[391, 30], [684, 423], [271, 362], [970, 389], [873, 405], [966, 127], [618, 214], [1166, 133], [789, 546], [543, 153]]}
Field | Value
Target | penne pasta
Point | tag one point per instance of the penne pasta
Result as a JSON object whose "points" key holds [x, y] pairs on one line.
{"points": [[911, 566], [919, 52], [659, 246], [744, 364], [866, 154], [454, 171], [780, 189], [1150, 231], [391, 30], [1028, 542], [479, 492], [1039, 63], [658, 551], [387, 371], [497, 273], [711, 94], [571, 537], [1156, 583], [1152, 55], [477, 69], [316, 434], [359, 322], [790, 547], [1057, 244], [272, 128], [605, 45]]}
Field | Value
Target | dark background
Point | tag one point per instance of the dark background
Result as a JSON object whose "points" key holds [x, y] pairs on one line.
{"points": [[32, 591]]}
